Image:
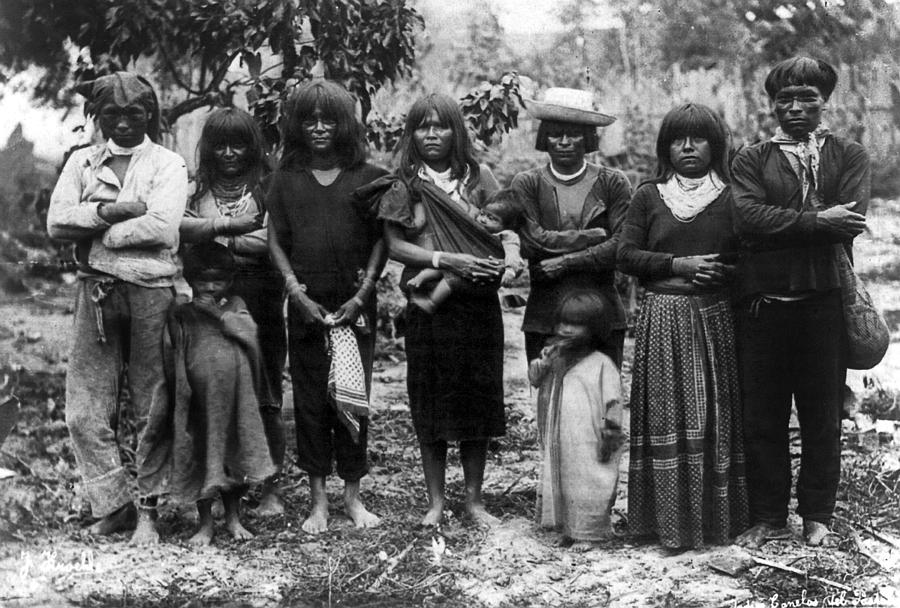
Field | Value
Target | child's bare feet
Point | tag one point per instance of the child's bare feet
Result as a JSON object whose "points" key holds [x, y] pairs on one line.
{"points": [[204, 535], [237, 530], [422, 301], [145, 532], [756, 536], [270, 504], [317, 522], [479, 515], [357, 511], [122, 519], [817, 534]]}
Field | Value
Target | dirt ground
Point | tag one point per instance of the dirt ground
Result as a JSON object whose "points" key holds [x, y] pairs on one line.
{"points": [[47, 559]]}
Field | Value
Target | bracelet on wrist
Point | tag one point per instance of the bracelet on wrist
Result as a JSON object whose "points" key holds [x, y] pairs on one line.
{"points": [[436, 259], [358, 301]]}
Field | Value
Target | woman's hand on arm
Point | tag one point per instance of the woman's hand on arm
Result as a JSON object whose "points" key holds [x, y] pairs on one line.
{"points": [[703, 270], [310, 311], [479, 270]]}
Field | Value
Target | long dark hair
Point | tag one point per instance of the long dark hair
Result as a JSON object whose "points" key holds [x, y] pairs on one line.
{"points": [[693, 120], [229, 126], [335, 103], [449, 114]]}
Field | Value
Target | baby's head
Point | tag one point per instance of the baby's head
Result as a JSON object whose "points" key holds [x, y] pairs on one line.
{"points": [[502, 211], [209, 268], [583, 319]]}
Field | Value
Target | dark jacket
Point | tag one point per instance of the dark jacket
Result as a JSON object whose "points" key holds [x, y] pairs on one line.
{"points": [[593, 268], [786, 252]]}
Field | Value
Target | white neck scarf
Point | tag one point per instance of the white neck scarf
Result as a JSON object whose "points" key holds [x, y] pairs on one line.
{"points": [[686, 197], [806, 152], [441, 179], [568, 178], [117, 150]]}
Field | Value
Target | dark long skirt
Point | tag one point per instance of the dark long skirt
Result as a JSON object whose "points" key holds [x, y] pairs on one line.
{"points": [[455, 369], [686, 475]]}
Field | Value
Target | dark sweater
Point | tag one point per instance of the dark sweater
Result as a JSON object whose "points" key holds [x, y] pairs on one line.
{"points": [[323, 234], [786, 252], [605, 207], [652, 237]]}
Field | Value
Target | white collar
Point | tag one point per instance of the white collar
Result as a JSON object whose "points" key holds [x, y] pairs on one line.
{"points": [[571, 177], [117, 150]]}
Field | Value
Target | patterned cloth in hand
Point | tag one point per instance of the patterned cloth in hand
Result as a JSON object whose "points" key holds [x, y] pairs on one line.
{"points": [[347, 379]]}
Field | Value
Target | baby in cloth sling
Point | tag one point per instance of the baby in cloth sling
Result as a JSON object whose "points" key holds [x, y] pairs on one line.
{"points": [[502, 216]]}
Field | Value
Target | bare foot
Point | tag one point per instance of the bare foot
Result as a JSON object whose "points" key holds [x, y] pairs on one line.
{"points": [[122, 519], [270, 504], [317, 522], [480, 516], [145, 532], [422, 301], [433, 516], [756, 536], [238, 531], [204, 534], [817, 534], [583, 546], [361, 516]]}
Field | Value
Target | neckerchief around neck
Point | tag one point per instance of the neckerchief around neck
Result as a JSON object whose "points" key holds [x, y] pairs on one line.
{"points": [[686, 197], [568, 178], [806, 152], [441, 179], [117, 150]]}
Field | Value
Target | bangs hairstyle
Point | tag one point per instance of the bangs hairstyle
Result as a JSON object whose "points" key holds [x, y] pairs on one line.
{"points": [[589, 309], [507, 206], [547, 127], [229, 126], [449, 114], [798, 71], [335, 103], [210, 261], [694, 120]]}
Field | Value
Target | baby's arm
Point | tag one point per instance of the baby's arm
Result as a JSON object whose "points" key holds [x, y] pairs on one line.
{"points": [[512, 256]]}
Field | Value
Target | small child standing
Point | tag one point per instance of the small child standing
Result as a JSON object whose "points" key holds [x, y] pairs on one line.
{"points": [[212, 366], [579, 422], [502, 215]]}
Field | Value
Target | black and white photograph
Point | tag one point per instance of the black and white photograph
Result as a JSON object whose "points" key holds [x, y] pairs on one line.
{"points": [[449, 304]]}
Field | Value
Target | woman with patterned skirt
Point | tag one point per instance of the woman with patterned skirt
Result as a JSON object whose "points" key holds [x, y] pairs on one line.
{"points": [[686, 474]]}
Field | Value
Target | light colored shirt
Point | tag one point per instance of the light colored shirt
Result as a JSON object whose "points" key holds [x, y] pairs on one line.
{"points": [[140, 250]]}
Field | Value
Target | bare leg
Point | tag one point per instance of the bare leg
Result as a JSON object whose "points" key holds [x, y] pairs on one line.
{"points": [[206, 530], [430, 301], [122, 519], [317, 521], [232, 501], [145, 532], [473, 455], [355, 507], [270, 502], [757, 535], [434, 465]]}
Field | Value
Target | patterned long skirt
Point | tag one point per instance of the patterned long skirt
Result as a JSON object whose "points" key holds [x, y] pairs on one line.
{"points": [[686, 475]]}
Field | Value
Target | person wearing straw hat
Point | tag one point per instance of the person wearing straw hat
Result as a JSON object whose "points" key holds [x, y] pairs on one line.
{"points": [[574, 211]]}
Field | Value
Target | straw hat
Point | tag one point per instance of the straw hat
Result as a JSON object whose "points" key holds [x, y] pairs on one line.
{"points": [[568, 105]]}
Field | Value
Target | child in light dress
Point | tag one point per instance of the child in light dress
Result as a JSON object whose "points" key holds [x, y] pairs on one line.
{"points": [[502, 215], [579, 423], [218, 442]]}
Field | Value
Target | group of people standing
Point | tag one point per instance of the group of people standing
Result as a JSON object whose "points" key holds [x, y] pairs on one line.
{"points": [[742, 313]]}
